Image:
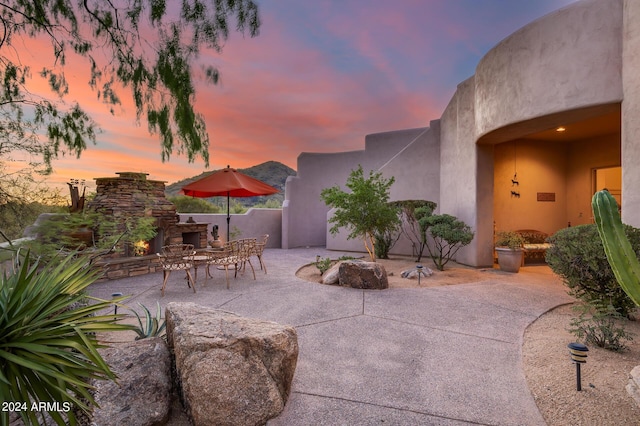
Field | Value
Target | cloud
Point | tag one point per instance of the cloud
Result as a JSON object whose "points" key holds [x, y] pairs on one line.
{"points": [[320, 77]]}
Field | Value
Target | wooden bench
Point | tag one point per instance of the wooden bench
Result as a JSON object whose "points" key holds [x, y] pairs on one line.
{"points": [[535, 246]]}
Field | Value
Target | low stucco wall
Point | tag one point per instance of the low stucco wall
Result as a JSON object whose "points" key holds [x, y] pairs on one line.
{"points": [[252, 224]]}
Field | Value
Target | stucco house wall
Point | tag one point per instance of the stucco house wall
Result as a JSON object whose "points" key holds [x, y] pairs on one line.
{"points": [[630, 140], [567, 60], [574, 64], [304, 214], [416, 168]]}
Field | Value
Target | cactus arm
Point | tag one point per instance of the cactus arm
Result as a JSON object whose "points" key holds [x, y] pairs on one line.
{"points": [[617, 247]]}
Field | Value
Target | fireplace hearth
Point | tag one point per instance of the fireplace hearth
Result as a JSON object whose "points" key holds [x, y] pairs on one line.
{"points": [[132, 195]]}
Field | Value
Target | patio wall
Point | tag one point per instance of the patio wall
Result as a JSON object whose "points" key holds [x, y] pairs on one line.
{"points": [[252, 224]]}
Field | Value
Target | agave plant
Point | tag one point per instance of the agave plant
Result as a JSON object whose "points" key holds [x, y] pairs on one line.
{"points": [[152, 326], [48, 343]]}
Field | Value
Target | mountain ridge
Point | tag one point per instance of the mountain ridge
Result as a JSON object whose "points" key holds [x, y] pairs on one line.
{"points": [[273, 173]]}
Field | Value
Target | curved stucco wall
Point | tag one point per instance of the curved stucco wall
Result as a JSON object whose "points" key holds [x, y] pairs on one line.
{"points": [[566, 60]]}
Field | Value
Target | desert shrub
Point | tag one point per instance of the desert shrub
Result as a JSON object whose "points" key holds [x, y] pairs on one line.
{"points": [[186, 204], [602, 326], [323, 264], [578, 257], [449, 234], [412, 214], [385, 241], [48, 338]]}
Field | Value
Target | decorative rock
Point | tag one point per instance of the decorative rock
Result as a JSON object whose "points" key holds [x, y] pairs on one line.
{"points": [[412, 274], [231, 370], [365, 275], [633, 387], [331, 275], [142, 395]]}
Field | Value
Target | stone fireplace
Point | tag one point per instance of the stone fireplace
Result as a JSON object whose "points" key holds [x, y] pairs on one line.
{"points": [[132, 195]]}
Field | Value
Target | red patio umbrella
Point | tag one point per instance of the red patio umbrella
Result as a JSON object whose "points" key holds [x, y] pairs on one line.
{"points": [[229, 182]]}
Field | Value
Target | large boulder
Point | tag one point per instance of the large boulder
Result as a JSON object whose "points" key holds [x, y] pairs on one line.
{"points": [[332, 275], [366, 275], [231, 370], [142, 394]]}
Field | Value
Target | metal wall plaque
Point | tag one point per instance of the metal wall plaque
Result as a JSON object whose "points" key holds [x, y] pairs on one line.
{"points": [[546, 196]]}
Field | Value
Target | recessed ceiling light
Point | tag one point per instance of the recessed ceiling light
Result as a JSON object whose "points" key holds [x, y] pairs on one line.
{"points": [[560, 129]]}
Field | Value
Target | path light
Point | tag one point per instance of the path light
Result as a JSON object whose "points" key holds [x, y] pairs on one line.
{"points": [[420, 272], [578, 353], [115, 306]]}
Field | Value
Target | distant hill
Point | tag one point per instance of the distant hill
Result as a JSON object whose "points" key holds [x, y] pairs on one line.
{"points": [[272, 173]]}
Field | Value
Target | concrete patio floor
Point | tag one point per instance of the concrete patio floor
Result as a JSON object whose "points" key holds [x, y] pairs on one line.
{"points": [[417, 356]]}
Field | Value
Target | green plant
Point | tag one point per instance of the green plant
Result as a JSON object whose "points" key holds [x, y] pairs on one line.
{"points": [[412, 224], [449, 234], [365, 210], [384, 242], [104, 233], [620, 254], [603, 328], [48, 343], [577, 255], [510, 239], [152, 326], [186, 204], [323, 264]]}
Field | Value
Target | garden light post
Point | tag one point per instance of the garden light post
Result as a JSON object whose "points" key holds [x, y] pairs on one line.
{"points": [[420, 272], [115, 305], [578, 353]]}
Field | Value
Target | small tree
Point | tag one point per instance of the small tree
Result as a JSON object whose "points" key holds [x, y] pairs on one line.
{"points": [[410, 212], [365, 210], [449, 235]]}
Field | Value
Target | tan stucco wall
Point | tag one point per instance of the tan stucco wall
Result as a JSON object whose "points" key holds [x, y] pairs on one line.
{"points": [[416, 168], [566, 60], [569, 60], [631, 114], [304, 216]]}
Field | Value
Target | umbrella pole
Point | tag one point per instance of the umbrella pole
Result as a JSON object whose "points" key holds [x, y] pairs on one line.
{"points": [[228, 216]]}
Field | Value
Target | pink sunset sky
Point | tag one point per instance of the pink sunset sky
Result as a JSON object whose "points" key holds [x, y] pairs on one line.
{"points": [[320, 76]]}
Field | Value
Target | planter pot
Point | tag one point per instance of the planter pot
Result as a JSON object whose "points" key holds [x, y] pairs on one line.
{"points": [[509, 259], [216, 243]]}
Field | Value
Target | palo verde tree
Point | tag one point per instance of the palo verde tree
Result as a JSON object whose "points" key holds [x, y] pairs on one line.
{"points": [[148, 48], [365, 211]]}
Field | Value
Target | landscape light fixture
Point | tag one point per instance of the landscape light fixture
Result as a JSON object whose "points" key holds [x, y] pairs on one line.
{"points": [[115, 306], [578, 353], [420, 272]]}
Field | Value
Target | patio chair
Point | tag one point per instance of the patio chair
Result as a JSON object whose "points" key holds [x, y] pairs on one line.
{"points": [[177, 257], [235, 253], [259, 248]]}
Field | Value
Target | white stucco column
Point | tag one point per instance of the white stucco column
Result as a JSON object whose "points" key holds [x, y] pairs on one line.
{"points": [[630, 143]]}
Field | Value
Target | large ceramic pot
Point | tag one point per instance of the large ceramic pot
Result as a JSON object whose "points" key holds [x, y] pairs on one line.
{"points": [[509, 259]]}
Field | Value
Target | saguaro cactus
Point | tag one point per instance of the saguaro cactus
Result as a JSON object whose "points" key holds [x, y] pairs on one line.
{"points": [[617, 247]]}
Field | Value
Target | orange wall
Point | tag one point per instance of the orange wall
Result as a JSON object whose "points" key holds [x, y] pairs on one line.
{"points": [[584, 157], [540, 167], [563, 169]]}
